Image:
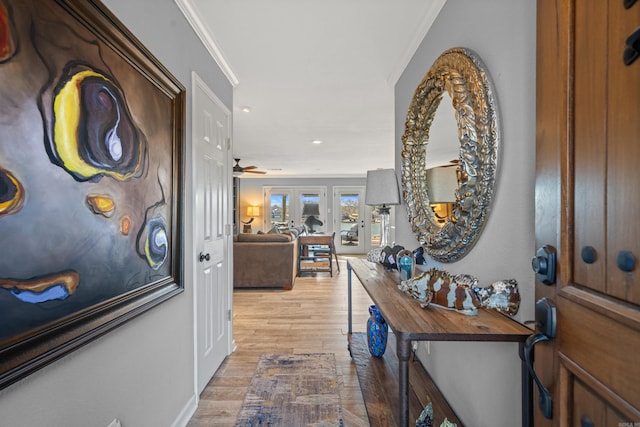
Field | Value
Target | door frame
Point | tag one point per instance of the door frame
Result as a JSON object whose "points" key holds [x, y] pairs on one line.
{"points": [[197, 82], [364, 221]]}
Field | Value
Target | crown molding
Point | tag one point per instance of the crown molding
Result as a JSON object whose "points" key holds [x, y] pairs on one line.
{"points": [[189, 12], [428, 20]]}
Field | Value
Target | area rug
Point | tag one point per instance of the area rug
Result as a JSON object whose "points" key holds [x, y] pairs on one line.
{"points": [[293, 390]]}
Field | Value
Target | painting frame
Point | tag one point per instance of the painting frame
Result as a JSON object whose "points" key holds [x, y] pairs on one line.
{"points": [[31, 350]]}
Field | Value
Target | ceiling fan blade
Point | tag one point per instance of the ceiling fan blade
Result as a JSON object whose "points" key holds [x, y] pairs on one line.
{"points": [[240, 169]]}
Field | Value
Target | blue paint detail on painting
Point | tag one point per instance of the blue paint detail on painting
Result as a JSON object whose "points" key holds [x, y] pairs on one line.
{"points": [[54, 292]]}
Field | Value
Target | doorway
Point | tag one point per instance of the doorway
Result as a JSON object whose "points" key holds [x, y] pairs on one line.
{"points": [[350, 220]]}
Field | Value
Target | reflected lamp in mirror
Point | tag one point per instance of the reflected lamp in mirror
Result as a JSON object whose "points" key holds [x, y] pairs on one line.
{"points": [[252, 212], [311, 212], [382, 190], [442, 184]]}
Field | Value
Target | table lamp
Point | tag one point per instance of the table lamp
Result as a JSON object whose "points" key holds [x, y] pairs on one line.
{"points": [[311, 211], [382, 190], [252, 212]]}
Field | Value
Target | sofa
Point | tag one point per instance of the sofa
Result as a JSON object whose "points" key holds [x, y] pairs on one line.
{"points": [[265, 260]]}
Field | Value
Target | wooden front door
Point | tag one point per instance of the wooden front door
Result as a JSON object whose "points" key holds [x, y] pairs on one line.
{"points": [[587, 208]]}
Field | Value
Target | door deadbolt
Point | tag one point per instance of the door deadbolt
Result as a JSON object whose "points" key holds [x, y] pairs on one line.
{"points": [[544, 264]]}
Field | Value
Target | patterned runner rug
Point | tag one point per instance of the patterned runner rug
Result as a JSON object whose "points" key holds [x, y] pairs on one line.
{"points": [[293, 390]]}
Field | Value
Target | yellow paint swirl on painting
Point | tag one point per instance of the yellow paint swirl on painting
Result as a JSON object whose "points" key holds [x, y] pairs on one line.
{"points": [[67, 115]]}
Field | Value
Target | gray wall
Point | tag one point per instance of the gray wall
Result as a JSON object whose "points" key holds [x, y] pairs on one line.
{"points": [[141, 373], [482, 381]]}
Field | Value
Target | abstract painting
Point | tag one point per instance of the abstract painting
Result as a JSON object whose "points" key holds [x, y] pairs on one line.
{"points": [[91, 140]]}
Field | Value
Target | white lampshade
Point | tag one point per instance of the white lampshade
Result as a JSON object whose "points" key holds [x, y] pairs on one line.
{"points": [[253, 211], [382, 188], [442, 183]]}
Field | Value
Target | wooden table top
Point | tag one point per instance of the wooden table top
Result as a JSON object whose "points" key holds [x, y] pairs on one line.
{"points": [[410, 321], [315, 239]]}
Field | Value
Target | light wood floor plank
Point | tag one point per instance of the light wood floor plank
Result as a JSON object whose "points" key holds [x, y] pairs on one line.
{"points": [[310, 318]]}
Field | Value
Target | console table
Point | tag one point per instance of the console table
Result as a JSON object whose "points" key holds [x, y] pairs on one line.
{"points": [[410, 322]]}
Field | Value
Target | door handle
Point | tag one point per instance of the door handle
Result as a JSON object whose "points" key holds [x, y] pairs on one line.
{"points": [[632, 48], [545, 403], [546, 323], [204, 257]]}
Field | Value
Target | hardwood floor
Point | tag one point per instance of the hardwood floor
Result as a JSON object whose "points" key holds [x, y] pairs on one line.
{"points": [[310, 318]]}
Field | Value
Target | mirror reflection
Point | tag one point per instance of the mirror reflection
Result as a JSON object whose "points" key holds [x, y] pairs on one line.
{"points": [[442, 186], [442, 158]]}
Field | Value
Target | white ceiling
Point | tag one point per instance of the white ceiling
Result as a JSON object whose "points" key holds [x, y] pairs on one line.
{"points": [[313, 70]]}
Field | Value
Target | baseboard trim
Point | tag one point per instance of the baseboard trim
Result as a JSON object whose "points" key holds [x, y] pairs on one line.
{"points": [[187, 412]]}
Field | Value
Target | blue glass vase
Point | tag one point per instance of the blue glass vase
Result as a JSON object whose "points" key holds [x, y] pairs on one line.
{"points": [[377, 331]]}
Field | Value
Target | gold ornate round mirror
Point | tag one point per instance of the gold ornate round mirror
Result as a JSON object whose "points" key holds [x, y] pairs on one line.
{"points": [[460, 74]]}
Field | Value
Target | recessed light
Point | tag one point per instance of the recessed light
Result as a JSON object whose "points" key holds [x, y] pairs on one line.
{"points": [[246, 109], [316, 141]]}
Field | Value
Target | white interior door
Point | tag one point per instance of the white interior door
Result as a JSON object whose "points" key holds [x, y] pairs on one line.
{"points": [[350, 220], [212, 288]]}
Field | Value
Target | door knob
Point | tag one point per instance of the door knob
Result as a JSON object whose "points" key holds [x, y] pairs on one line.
{"points": [[544, 264], [204, 257]]}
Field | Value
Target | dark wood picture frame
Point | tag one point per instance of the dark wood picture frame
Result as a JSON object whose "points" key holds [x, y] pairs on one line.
{"points": [[46, 42]]}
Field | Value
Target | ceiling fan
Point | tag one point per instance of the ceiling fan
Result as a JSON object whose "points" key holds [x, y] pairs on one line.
{"points": [[238, 170]]}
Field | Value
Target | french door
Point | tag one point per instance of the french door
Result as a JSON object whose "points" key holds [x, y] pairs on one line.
{"points": [[350, 220], [293, 206]]}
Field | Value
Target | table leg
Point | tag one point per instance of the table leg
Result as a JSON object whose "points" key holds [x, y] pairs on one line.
{"points": [[527, 391], [349, 297], [403, 351]]}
